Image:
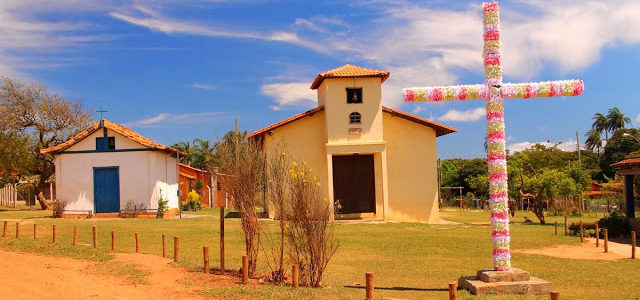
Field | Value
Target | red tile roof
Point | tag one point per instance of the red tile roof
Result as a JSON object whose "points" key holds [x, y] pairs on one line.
{"points": [[349, 71], [122, 130], [631, 162], [439, 128], [287, 121]]}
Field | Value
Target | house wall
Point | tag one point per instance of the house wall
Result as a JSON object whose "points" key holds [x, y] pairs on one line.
{"points": [[305, 141], [412, 171], [332, 94], [187, 173], [143, 174]]}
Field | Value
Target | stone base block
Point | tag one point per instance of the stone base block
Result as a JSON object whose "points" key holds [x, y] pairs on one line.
{"points": [[497, 276], [515, 281]]}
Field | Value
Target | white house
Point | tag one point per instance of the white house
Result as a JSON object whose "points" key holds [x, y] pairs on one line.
{"points": [[110, 170]]}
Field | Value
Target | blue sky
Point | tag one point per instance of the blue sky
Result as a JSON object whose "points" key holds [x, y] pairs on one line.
{"points": [[175, 70]]}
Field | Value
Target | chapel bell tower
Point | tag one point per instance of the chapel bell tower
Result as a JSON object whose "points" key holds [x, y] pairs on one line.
{"points": [[352, 100]]}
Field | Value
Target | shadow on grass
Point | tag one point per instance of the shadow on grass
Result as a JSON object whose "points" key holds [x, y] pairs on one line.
{"points": [[398, 288]]}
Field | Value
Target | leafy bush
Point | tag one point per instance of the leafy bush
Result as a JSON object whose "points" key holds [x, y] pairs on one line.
{"points": [[162, 206], [58, 208], [193, 202], [616, 223]]}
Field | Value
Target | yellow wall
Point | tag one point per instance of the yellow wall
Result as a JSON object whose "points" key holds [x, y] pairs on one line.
{"points": [[332, 94], [305, 140], [412, 171]]}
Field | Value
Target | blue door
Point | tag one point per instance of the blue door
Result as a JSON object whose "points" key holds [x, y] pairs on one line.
{"points": [[106, 189]]}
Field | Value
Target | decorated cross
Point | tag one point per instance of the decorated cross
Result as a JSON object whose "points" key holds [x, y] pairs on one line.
{"points": [[494, 92]]}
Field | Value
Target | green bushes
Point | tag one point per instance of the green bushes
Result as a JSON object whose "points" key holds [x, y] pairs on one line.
{"points": [[193, 202], [616, 223]]}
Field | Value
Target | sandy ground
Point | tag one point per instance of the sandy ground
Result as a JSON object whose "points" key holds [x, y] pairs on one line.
{"points": [[28, 276], [587, 250]]}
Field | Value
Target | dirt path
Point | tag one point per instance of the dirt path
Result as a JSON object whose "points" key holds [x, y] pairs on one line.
{"points": [[28, 276], [587, 250]]}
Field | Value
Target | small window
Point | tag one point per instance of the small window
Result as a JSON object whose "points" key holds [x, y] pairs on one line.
{"points": [[105, 143], [354, 95], [218, 187], [354, 118]]}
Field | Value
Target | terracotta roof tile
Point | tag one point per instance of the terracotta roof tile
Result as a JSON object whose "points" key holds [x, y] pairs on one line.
{"points": [[349, 71], [631, 162], [120, 129], [440, 129]]}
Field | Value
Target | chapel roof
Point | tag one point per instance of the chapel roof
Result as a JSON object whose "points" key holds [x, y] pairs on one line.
{"points": [[120, 129], [440, 129], [349, 71]]}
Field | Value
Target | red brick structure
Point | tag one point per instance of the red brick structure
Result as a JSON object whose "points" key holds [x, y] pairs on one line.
{"points": [[189, 176]]}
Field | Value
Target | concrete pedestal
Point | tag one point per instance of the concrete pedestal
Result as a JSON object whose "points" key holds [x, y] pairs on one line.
{"points": [[514, 281]]}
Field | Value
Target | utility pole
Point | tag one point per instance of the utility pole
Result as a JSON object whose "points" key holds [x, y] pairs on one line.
{"points": [[578, 142]]}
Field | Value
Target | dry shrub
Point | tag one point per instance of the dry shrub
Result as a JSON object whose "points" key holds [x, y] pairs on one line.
{"points": [[242, 161], [278, 189], [309, 227], [58, 208]]}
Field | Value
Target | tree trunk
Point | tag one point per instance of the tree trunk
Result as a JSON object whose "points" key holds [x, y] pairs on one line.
{"points": [[43, 203], [539, 209]]}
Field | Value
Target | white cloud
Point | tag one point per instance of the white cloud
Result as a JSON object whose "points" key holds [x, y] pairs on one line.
{"points": [[471, 115], [169, 120], [638, 118], [290, 94], [569, 146], [425, 46], [30, 42], [202, 86]]}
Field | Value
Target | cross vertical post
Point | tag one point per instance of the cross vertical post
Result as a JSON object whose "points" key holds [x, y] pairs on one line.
{"points": [[494, 91]]}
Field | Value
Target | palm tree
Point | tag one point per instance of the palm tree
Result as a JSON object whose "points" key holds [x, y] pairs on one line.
{"points": [[601, 124], [616, 119], [203, 153], [593, 140], [185, 147]]}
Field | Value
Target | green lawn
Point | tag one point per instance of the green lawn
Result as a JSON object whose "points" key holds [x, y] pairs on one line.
{"points": [[410, 260]]}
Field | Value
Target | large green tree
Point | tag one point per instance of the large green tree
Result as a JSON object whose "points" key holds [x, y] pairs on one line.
{"points": [[32, 118], [621, 144]]}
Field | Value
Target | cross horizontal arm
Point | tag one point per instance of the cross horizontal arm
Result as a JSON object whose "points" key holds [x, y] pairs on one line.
{"points": [[445, 93], [542, 89], [508, 90]]}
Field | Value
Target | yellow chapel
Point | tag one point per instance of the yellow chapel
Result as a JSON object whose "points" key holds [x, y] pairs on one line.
{"points": [[378, 162]]}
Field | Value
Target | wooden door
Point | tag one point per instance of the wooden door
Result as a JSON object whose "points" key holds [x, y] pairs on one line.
{"points": [[354, 183], [106, 189]]}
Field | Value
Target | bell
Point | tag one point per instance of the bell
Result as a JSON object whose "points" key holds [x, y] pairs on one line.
{"points": [[355, 97]]}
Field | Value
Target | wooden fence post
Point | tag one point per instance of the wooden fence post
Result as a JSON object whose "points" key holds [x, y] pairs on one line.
{"points": [[556, 227], [137, 243], [113, 240], [597, 235], [17, 230], [95, 237], [176, 249], [581, 233], [554, 295], [164, 245], [75, 235], [565, 225], [245, 269], [369, 285], [606, 240], [221, 240], [633, 244], [453, 291], [35, 231], [205, 256], [55, 234], [4, 229], [295, 273]]}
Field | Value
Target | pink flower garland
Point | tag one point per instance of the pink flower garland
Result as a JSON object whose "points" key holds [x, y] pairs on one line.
{"points": [[494, 91]]}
